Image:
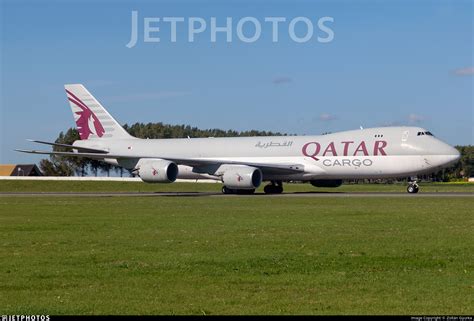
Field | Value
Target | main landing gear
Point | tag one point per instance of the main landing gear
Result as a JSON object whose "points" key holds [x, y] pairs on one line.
{"points": [[275, 187], [226, 190], [413, 187]]}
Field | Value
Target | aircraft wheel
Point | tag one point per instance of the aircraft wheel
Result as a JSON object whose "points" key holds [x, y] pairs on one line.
{"points": [[273, 189], [245, 191], [268, 189], [413, 189], [226, 190]]}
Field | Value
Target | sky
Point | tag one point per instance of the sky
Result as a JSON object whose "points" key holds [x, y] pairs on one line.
{"points": [[389, 63]]}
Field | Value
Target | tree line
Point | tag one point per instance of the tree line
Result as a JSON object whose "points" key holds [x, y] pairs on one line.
{"points": [[79, 166]]}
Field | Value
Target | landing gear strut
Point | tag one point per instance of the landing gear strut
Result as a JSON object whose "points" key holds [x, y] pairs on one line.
{"points": [[275, 187], [413, 187]]}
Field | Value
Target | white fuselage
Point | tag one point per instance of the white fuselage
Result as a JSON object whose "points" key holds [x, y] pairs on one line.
{"points": [[366, 153]]}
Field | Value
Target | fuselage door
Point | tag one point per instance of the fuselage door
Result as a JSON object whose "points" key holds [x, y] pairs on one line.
{"points": [[405, 135]]}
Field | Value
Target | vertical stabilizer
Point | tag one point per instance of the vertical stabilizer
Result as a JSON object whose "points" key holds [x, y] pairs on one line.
{"points": [[92, 119]]}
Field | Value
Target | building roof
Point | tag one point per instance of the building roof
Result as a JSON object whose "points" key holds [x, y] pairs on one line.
{"points": [[20, 170], [7, 169]]}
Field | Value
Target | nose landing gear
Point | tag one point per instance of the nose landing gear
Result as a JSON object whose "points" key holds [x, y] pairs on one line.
{"points": [[413, 187]]}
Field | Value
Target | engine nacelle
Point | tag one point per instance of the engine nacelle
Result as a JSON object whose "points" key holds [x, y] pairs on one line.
{"points": [[242, 177], [157, 170], [326, 182]]}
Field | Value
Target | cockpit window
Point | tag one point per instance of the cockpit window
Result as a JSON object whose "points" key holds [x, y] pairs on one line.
{"points": [[425, 133]]}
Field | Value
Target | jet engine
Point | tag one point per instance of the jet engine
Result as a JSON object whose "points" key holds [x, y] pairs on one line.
{"points": [[157, 170], [326, 182], [242, 177]]}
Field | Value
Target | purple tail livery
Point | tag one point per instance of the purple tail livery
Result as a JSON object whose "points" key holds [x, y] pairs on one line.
{"points": [[92, 119]]}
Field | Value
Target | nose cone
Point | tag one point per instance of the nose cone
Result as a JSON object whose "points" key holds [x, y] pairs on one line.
{"points": [[456, 154], [453, 155], [437, 154]]}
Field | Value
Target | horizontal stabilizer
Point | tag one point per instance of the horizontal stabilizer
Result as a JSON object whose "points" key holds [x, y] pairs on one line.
{"points": [[85, 154], [85, 149]]}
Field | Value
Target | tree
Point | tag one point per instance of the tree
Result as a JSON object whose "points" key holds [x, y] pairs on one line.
{"points": [[55, 168], [94, 166], [62, 165], [463, 169]]}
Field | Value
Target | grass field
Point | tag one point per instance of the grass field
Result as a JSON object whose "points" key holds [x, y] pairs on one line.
{"points": [[91, 186], [236, 255]]}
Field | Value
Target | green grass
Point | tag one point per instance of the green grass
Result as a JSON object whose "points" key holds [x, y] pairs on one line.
{"points": [[236, 255], [91, 186]]}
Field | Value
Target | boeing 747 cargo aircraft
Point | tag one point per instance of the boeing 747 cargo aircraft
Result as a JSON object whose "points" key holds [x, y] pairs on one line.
{"points": [[243, 163]]}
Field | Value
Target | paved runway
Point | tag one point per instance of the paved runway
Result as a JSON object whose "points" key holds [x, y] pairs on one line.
{"points": [[213, 194]]}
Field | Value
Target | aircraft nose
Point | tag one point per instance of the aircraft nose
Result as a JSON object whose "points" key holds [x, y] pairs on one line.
{"points": [[453, 154], [456, 154]]}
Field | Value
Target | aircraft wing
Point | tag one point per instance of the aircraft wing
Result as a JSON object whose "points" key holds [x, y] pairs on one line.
{"points": [[266, 168]]}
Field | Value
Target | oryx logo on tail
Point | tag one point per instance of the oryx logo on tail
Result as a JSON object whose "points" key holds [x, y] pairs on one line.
{"points": [[86, 121]]}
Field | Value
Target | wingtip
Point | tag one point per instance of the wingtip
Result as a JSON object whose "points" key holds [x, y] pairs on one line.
{"points": [[32, 151]]}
